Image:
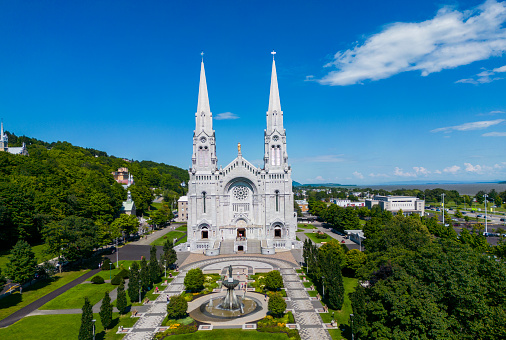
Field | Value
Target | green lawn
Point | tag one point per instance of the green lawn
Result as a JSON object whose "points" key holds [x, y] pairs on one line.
{"points": [[38, 250], [231, 334], [312, 237], [105, 273], [74, 298], [305, 226], [171, 235], [183, 240], [59, 326], [182, 228], [16, 301]]}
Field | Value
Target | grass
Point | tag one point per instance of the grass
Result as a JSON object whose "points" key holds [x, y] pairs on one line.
{"points": [[16, 301], [312, 293], [74, 297], [105, 273], [182, 228], [231, 334], [59, 326], [306, 226], [312, 237], [38, 250], [183, 240], [171, 235], [307, 284]]}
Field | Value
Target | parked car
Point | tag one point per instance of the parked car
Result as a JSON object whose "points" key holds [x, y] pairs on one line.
{"points": [[502, 220]]}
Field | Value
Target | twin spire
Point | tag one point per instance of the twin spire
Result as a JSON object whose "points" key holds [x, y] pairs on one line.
{"points": [[204, 118]]}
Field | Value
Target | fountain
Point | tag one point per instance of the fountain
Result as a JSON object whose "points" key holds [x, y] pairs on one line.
{"points": [[220, 308]]}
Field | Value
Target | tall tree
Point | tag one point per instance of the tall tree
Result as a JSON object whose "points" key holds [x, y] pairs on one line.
{"points": [[169, 254], [121, 300], [144, 275], [128, 224], [22, 264], [133, 282], [106, 311], [153, 266], [86, 330]]}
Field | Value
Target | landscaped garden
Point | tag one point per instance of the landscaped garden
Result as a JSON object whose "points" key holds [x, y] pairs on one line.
{"points": [[171, 235], [319, 237]]}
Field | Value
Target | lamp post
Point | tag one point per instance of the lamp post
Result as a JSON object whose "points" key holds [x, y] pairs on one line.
{"points": [[117, 254], [323, 284], [183, 184], [93, 328], [351, 319], [443, 200], [165, 267], [486, 196], [140, 283], [110, 265]]}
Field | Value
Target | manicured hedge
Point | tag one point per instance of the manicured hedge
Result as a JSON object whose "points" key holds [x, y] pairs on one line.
{"points": [[97, 279]]}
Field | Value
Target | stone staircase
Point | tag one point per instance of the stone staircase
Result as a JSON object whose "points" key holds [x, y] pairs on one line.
{"points": [[253, 247], [227, 248]]}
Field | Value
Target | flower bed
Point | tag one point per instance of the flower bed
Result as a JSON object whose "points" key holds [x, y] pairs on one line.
{"points": [[278, 325]]}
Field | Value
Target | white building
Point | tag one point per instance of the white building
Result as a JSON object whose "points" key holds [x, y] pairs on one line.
{"points": [[128, 206], [347, 203], [4, 144], [240, 207], [182, 209], [408, 204]]}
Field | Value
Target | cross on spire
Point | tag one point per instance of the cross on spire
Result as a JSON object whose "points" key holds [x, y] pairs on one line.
{"points": [[202, 54], [273, 54]]}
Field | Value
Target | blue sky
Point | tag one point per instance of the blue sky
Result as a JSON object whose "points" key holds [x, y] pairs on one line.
{"points": [[372, 91]]}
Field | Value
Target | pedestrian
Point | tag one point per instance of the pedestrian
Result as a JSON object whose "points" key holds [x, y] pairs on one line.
{"points": [[168, 299]]}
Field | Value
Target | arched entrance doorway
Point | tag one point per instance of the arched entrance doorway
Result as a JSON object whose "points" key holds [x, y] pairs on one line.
{"points": [[241, 232], [277, 232]]}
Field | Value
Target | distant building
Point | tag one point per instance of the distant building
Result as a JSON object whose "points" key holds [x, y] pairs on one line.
{"points": [[408, 204], [347, 203], [4, 144], [123, 176], [182, 209], [129, 206], [303, 205]]}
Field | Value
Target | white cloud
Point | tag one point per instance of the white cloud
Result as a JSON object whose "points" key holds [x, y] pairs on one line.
{"points": [[226, 115], [358, 175], [400, 172], [449, 40], [309, 78], [484, 77], [494, 134], [497, 111], [500, 69], [481, 169], [421, 170], [320, 159], [470, 126], [452, 169], [378, 175], [471, 168], [438, 172]]}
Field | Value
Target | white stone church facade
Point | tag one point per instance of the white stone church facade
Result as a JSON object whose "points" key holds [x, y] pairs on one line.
{"points": [[240, 207]]}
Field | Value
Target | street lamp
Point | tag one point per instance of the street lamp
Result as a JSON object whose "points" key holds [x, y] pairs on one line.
{"points": [[165, 267], [117, 253], [140, 282], [443, 199], [323, 283], [351, 319], [110, 265], [486, 196], [93, 328]]}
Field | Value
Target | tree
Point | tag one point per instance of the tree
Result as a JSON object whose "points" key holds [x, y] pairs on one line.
{"points": [[106, 311], [331, 258], [276, 305], [128, 224], [121, 300], [154, 267], [169, 254], [194, 280], [142, 196], [354, 260], [458, 214], [177, 307], [498, 201], [133, 282], [22, 264], [357, 299], [273, 280], [144, 274], [86, 330]]}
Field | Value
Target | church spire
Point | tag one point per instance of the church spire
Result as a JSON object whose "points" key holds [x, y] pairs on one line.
{"points": [[203, 116], [274, 103]]}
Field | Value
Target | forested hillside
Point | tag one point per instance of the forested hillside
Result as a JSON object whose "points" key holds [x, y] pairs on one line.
{"points": [[59, 180]]}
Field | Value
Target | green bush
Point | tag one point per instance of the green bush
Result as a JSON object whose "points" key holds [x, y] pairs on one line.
{"points": [[321, 236], [97, 279], [181, 329], [273, 280], [276, 305], [194, 280], [122, 275], [105, 265], [176, 308], [291, 319], [116, 280]]}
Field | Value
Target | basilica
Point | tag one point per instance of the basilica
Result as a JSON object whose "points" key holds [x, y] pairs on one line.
{"points": [[240, 208]]}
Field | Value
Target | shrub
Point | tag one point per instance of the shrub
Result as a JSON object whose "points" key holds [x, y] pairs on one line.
{"points": [[273, 280], [276, 305], [97, 279], [116, 280], [194, 280], [321, 236], [176, 308], [291, 319], [105, 265]]}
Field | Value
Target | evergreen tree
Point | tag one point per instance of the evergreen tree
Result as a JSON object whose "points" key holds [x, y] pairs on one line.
{"points": [[86, 330], [169, 254], [194, 280], [154, 267], [22, 264], [144, 275], [276, 305], [359, 309], [106, 311], [133, 282], [121, 301], [177, 307]]}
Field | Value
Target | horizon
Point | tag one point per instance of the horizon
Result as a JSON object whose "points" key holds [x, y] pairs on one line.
{"points": [[369, 97]]}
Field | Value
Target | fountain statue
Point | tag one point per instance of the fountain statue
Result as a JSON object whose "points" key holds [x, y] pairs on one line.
{"points": [[230, 301]]}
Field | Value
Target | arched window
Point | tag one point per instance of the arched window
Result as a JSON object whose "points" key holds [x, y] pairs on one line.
{"points": [[204, 200], [277, 200]]}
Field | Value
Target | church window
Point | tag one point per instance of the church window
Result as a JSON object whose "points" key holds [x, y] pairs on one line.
{"points": [[240, 192], [277, 200], [204, 200]]}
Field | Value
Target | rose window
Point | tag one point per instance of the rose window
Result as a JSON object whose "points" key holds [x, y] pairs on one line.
{"points": [[240, 192]]}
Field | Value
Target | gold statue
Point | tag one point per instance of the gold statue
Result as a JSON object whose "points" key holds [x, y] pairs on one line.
{"points": [[239, 147]]}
